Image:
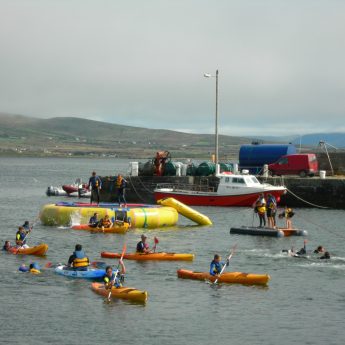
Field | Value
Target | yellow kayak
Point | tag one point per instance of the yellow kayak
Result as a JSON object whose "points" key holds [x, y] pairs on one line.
{"points": [[227, 277], [122, 292], [117, 228]]}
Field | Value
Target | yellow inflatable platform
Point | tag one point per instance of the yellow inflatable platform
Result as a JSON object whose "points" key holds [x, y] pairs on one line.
{"points": [[141, 215], [186, 211]]}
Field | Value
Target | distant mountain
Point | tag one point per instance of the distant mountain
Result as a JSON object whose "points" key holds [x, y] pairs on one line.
{"points": [[335, 139], [75, 136]]}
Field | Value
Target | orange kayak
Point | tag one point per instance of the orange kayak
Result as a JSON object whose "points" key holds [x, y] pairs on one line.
{"points": [[122, 292], [117, 228], [227, 277], [150, 256], [39, 250]]}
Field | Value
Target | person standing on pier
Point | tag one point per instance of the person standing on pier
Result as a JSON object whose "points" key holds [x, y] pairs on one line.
{"points": [[120, 187], [260, 209], [95, 184]]}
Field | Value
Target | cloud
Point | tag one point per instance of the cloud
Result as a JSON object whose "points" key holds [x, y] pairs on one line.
{"points": [[142, 64]]}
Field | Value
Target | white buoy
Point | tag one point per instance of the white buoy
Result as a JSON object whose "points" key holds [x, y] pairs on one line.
{"points": [[134, 168], [322, 174]]}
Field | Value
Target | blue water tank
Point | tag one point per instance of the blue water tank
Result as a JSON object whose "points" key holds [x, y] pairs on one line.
{"points": [[253, 157]]}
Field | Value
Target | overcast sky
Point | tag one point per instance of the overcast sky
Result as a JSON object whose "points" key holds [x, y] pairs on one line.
{"points": [[281, 63]]}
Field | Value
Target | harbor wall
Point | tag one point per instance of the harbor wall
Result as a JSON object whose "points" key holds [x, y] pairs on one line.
{"points": [[328, 192], [337, 160]]}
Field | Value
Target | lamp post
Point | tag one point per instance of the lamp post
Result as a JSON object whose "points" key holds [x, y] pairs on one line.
{"points": [[206, 75]]}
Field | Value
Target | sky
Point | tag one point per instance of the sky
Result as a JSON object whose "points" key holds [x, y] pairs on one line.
{"points": [[141, 63]]}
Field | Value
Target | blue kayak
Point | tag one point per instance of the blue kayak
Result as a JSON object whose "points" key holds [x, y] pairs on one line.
{"points": [[90, 273]]}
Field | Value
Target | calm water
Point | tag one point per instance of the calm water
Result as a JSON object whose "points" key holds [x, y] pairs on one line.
{"points": [[304, 303]]}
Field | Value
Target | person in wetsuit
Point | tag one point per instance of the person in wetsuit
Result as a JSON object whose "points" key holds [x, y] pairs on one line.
{"points": [[95, 184]]}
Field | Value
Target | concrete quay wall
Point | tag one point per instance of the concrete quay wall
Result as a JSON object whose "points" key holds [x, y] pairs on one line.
{"points": [[328, 192]]}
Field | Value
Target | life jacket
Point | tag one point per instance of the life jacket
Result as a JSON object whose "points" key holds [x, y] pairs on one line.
{"points": [[216, 267], [141, 246], [80, 260], [105, 223], [271, 204], [116, 280], [20, 238], [289, 213], [119, 182], [34, 271]]}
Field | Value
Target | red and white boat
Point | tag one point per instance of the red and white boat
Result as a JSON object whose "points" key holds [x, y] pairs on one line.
{"points": [[233, 190]]}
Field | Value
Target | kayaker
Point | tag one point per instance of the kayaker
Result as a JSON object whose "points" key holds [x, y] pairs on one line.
{"points": [[21, 237], [27, 226], [142, 246], [93, 222], [121, 184], [7, 246], [111, 280], [260, 209], [325, 256], [95, 185], [319, 250], [287, 214], [34, 268], [216, 265], [271, 210], [78, 260], [105, 222]]}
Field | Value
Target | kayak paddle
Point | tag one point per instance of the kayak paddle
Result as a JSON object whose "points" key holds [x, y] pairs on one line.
{"points": [[117, 271], [228, 260], [156, 241]]}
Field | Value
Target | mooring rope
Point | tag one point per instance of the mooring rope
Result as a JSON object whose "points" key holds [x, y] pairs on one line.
{"points": [[305, 201]]}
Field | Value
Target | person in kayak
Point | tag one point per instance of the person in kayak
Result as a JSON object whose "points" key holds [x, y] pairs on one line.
{"points": [[93, 222], [78, 260], [27, 226], [121, 184], [260, 209], [95, 184], [105, 222], [21, 237], [110, 279], [216, 265], [142, 246]]}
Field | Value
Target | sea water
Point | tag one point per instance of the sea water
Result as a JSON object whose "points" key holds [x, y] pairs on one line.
{"points": [[303, 304]]}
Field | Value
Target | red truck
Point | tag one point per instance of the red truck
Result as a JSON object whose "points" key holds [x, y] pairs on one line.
{"points": [[297, 164]]}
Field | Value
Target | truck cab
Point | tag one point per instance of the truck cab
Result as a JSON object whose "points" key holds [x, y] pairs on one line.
{"points": [[297, 164]]}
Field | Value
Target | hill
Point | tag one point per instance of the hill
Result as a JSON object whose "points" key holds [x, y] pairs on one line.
{"points": [[61, 136]]}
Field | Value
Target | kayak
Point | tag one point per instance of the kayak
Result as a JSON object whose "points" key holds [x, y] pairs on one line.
{"points": [[122, 292], [39, 250], [227, 277], [151, 256], [117, 228], [90, 273]]}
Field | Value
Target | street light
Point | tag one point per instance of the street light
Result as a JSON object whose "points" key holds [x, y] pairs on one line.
{"points": [[207, 75]]}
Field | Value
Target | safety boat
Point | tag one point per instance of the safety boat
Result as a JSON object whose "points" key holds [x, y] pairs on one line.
{"points": [[232, 190], [265, 231], [227, 277]]}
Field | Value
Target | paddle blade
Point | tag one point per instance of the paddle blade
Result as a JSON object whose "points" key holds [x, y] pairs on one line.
{"points": [[123, 251], [48, 265], [156, 241]]}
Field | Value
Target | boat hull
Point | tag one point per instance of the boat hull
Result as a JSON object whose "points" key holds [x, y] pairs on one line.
{"points": [[257, 231], [89, 274], [127, 293], [227, 277], [214, 199], [38, 250], [160, 256]]}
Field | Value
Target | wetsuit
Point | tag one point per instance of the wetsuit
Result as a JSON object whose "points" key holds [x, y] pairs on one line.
{"points": [[93, 222], [95, 184], [121, 185], [141, 246]]}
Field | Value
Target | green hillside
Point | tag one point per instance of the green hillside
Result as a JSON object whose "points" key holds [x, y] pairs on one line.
{"points": [[69, 136]]}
